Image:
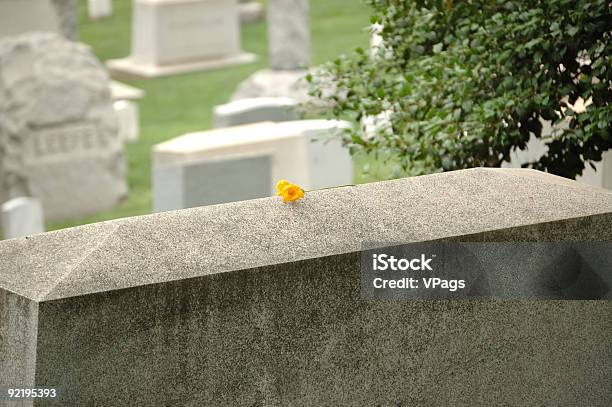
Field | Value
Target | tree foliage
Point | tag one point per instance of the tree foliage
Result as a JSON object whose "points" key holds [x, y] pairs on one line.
{"points": [[466, 82]]}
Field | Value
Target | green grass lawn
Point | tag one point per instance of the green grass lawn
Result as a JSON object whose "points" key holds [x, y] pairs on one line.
{"points": [[179, 104]]}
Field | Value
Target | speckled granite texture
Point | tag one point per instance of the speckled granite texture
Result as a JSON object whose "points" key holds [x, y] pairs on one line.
{"points": [[258, 303]]}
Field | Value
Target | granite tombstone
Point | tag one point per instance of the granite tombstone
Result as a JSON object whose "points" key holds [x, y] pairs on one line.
{"points": [[59, 139]]}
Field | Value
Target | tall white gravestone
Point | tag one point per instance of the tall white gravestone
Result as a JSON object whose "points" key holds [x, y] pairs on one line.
{"points": [[59, 138], [289, 45], [20, 217], [178, 36], [289, 34]]}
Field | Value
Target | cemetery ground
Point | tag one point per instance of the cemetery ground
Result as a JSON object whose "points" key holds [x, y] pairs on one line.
{"points": [[179, 104]]}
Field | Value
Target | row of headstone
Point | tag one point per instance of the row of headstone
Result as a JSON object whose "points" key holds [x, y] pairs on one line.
{"points": [[63, 146], [179, 36], [238, 162], [172, 37], [245, 162]]}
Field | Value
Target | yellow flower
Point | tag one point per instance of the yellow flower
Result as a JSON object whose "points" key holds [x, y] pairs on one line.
{"points": [[280, 185], [290, 192]]}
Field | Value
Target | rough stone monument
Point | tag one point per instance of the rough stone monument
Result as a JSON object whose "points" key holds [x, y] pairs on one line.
{"points": [[258, 303], [289, 44], [59, 138], [21, 217], [178, 36]]}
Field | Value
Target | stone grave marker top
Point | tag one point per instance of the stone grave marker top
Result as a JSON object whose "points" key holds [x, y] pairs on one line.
{"points": [[243, 235]]}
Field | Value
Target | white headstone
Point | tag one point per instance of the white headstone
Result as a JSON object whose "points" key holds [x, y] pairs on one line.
{"points": [[245, 162], [372, 126], [21, 217], [129, 120], [58, 133], [125, 102], [289, 34], [177, 36], [378, 48], [376, 40], [246, 111], [98, 9]]}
